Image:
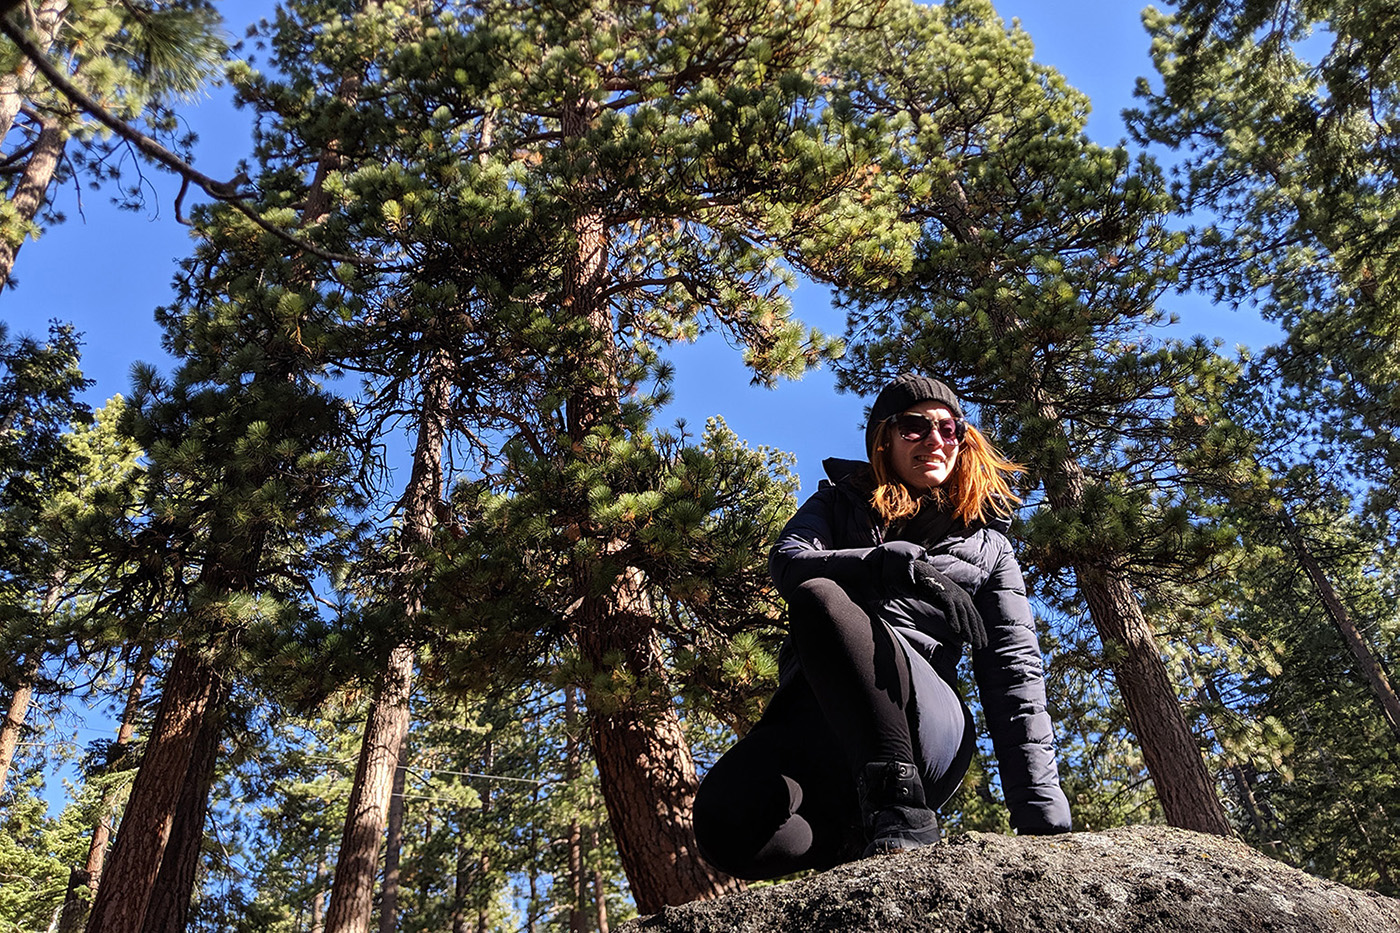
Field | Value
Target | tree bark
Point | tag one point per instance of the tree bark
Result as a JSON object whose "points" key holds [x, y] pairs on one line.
{"points": [[32, 191], [644, 763], [600, 891], [15, 86], [1366, 661], [352, 892], [16, 713], [174, 887], [1184, 785], [572, 770], [192, 692]]}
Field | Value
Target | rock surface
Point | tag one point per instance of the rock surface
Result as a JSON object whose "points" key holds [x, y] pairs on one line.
{"points": [[1142, 879]]}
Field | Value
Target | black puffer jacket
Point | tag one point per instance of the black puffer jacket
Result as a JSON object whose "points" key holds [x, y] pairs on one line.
{"points": [[836, 535]]}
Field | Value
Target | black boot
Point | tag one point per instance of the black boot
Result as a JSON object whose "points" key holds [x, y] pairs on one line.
{"points": [[893, 808]]}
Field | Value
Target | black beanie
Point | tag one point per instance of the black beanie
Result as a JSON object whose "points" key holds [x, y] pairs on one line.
{"points": [[904, 393]]}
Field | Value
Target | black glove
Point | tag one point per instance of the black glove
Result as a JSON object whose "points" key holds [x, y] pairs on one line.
{"points": [[958, 611], [891, 562]]}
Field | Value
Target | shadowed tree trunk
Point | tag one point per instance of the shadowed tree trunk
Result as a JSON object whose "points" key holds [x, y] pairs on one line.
{"points": [[1366, 662], [192, 693], [352, 894], [574, 842], [389, 899], [174, 887]]}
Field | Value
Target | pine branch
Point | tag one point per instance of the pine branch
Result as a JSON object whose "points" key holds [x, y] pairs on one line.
{"points": [[153, 150]]}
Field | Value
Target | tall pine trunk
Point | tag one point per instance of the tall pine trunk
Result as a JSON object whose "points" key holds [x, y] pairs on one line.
{"points": [[192, 696], [174, 887], [15, 85], [31, 193], [352, 893], [644, 762], [1366, 662], [574, 841], [1184, 785], [16, 713], [393, 846]]}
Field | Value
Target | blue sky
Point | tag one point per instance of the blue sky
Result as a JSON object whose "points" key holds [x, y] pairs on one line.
{"points": [[107, 270]]}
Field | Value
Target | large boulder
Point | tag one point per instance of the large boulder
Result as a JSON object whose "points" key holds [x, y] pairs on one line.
{"points": [[1142, 879]]}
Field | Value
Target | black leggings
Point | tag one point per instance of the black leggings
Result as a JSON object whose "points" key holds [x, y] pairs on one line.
{"points": [[784, 798]]}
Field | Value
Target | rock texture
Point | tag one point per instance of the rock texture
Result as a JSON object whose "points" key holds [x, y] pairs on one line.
{"points": [[1144, 879]]}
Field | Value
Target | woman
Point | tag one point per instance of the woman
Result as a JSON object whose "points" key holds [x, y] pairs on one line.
{"points": [[887, 570]]}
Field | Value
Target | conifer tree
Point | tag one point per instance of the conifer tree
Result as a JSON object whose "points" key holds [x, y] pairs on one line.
{"points": [[1284, 115], [1039, 259], [579, 186], [243, 479], [39, 404], [1315, 752]]}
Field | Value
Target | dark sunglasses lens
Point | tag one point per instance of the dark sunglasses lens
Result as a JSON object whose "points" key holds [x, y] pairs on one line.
{"points": [[917, 427], [913, 427]]}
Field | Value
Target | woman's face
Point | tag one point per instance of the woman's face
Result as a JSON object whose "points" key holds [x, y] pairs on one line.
{"points": [[924, 464]]}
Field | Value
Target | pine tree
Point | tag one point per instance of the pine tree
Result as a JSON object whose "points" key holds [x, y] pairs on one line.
{"points": [[1284, 115], [549, 195], [244, 478], [39, 387], [1315, 752]]}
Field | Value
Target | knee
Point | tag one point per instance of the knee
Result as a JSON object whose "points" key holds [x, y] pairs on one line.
{"points": [[816, 598], [820, 611], [735, 814], [718, 819]]}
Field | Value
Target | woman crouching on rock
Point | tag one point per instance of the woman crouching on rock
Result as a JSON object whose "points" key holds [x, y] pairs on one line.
{"points": [[888, 569]]}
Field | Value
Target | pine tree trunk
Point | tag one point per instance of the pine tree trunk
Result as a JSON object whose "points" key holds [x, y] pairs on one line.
{"points": [[15, 86], [483, 916], [461, 885], [318, 903], [174, 887], [16, 713], [644, 762], [393, 844], [1184, 786], [31, 193], [574, 842], [1366, 661], [352, 892], [90, 875], [600, 890], [192, 693]]}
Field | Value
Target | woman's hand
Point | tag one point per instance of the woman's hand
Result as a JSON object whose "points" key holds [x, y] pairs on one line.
{"points": [[892, 563], [960, 614]]}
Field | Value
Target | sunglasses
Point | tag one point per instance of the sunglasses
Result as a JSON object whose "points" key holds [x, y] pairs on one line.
{"points": [[914, 427]]}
